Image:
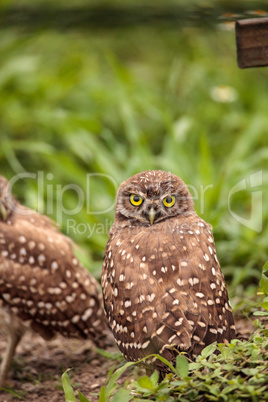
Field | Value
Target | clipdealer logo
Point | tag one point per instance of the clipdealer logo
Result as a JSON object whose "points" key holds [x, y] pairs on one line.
{"points": [[253, 185], [51, 196]]}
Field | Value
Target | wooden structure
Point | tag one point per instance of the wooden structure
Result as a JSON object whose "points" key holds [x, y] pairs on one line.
{"points": [[252, 42]]}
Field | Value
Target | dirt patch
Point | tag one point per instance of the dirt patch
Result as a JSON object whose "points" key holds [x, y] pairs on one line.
{"points": [[38, 366], [244, 327]]}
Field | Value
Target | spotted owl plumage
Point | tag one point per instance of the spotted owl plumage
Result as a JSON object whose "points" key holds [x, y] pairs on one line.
{"points": [[163, 288], [43, 286]]}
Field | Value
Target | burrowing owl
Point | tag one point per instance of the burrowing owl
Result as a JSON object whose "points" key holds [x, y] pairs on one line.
{"points": [[162, 284], [42, 284]]}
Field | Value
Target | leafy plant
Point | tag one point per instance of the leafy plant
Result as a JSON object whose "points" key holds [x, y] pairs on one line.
{"points": [[238, 370], [264, 292], [68, 390]]}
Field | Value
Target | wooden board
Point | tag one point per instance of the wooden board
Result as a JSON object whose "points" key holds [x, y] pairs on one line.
{"points": [[252, 42]]}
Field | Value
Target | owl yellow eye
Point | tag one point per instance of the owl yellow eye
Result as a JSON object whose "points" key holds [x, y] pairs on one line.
{"points": [[135, 200], [169, 201]]}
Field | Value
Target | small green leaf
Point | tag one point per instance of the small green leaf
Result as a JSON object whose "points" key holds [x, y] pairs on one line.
{"points": [[145, 382], [68, 390], [225, 351], [228, 367], [82, 398], [109, 355], [264, 279], [122, 395], [182, 366], [264, 303], [228, 389], [102, 395], [195, 366], [112, 385], [163, 360], [250, 371], [208, 350], [154, 378], [261, 313]]}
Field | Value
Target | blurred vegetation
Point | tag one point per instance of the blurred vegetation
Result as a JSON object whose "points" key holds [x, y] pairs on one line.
{"points": [[129, 98]]}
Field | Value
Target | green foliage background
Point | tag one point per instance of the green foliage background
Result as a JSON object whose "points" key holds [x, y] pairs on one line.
{"points": [[119, 100]]}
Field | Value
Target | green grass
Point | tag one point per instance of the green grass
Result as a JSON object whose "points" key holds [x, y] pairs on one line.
{"points": [[119, 101]]}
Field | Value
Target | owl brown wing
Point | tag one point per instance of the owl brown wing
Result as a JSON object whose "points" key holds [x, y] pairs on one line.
{"points": [[42, 281], [163, 286]]}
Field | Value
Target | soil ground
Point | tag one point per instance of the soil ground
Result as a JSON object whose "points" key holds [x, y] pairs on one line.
{"points": [[38, 366]]}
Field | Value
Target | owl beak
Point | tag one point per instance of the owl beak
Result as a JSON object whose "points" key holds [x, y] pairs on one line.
{"points": [[151, 215]]}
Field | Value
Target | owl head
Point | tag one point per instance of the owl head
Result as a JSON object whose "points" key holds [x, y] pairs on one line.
{"points": [[152, 196]]}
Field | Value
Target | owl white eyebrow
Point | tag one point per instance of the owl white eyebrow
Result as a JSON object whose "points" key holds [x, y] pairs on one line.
{"points": [[168, 195], [139, 194]]}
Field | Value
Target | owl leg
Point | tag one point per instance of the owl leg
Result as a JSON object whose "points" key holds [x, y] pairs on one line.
{"points": [[13, 338], [149, 371]]}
